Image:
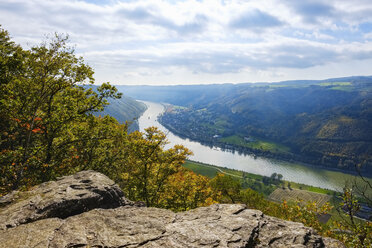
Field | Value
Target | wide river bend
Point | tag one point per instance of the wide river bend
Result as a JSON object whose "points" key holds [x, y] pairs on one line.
{"points": [[294, 172]]}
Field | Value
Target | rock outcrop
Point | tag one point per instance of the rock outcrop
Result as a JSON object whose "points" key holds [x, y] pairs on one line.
{"points": [[89, 210], [65, 197]]}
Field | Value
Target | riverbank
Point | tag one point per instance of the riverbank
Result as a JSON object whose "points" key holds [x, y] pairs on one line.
{"points": [[293, 172], [282, 190], [246, 151], [210, 171]]}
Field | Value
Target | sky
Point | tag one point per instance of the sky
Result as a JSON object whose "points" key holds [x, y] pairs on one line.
{"points": [[159, 42]]}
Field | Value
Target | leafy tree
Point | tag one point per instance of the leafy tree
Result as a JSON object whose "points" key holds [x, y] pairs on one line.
{"points": [[226, 189], [148, 166], [42, 102], [48, 130], [351, 230], [11, 56], [186, 190], [253, 199]]}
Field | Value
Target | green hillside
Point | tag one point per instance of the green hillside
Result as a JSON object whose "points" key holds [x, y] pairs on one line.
{"points": [[124, 109], [325, 122]]}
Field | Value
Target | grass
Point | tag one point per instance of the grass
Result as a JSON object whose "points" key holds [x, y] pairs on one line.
{"points": [[259, 144], [335, 84], [200, 169], [212, 170], [278, 194], [312, 188], [344, 86]]}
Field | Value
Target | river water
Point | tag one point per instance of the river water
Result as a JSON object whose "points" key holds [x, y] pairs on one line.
{"points": [[294, 172]]}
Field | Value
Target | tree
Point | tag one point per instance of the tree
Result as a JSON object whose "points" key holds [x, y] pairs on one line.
{"points": [[226, 189], [352, 231], [49, 130], [186, 190], [43, 104], [11, 56], [148, 166]]}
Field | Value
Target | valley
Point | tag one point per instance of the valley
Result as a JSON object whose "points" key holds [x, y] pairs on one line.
{"points": [[291, 171], [326, 123]]}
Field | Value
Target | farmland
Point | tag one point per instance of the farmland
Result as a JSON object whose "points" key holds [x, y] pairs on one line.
{"points": [[292, 195], [249, 178]]}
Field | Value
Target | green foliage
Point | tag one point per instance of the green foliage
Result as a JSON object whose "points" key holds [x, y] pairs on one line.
{"points": [[226, 188], [43, 106], [51, 127], [324, 123], [149, 166], [48, 129], [351, 230], [124, 109], [186, 190], [343, 225], [258, 144]]}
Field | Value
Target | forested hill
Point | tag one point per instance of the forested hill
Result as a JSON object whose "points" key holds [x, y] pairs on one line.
{"points": [[326, 122], [124, 109], [183, 95]]}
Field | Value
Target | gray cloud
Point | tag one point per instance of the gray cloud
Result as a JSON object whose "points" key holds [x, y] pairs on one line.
{"points": [[148, 16], [296, 56], [141, 37], [311, 11], [255, 20]]}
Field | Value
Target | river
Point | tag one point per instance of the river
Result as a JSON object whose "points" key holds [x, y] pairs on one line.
{"points": [[294, 172]]}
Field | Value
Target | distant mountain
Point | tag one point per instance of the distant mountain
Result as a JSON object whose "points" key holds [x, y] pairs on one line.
{"points": [[322, 122]]}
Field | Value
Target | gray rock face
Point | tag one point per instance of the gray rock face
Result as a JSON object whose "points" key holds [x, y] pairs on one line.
{"points": [[70, 195], [220, 225]]}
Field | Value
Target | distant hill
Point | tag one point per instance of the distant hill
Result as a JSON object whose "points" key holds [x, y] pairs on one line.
{"points": [[187, 95], [124, 109], [183, 95], [322, 122]]}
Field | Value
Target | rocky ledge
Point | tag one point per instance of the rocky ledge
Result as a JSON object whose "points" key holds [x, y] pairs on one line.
{"points": [[88, 210]]}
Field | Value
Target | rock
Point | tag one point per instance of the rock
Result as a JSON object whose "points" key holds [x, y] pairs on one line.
{"points": [[219, 225], [69, 195]]}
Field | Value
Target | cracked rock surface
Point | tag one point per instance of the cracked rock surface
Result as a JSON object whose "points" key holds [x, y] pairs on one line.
{"points": [[116, 222], [69, 195]]}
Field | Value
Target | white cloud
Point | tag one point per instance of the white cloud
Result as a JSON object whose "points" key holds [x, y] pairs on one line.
{"points": [[213, 41]]}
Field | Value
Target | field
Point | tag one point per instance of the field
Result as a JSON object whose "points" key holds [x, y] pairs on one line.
{"points": [[212, 170], [335, 84], [292, 195], [202, 170], [278, 194], [256, 144], [344, 86]]}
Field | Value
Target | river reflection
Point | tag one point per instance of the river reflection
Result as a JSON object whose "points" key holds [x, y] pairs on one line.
{"points": [[291, 171]]}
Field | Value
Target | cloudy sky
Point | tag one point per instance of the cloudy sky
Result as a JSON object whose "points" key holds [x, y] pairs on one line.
{"points": [[205, 41]]}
